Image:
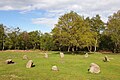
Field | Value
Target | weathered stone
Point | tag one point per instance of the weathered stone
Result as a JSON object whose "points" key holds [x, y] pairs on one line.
{"points": [[61, 54], [86, 55], [29, 64], [55, 68], [94, 68], [25, 57], [46, 55], [106, 59], [9, 61]]}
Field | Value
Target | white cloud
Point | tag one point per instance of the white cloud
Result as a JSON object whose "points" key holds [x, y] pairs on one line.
{"points": [[6, 8], [60, 4], [46, 21], [56, 8]]}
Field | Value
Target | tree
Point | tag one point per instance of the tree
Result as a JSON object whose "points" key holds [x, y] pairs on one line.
{"points": [[46, 40], [60, 38], [97, 25], [73, 31], [65, 31], [88, 36], [106, 44], [24, 40], [2, 36], [34, 38], [13, 36], [113, 30]]}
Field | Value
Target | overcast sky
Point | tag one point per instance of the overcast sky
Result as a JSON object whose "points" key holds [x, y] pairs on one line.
{"points": [[41, 15]]}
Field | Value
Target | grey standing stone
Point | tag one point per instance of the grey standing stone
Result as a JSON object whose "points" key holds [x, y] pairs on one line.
{"points": [[106, 59], [86, 55], [94, 68], [55, 68], [9, 61], [29, 64], [61, 54], [25, 57], [46, 55]]}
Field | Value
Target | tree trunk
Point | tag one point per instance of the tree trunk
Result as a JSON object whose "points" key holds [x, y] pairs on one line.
{"points": [[89, 48], [15, 46], [59, 49], [3, 46], [26, 48], [76, 48], [3, 43], [73, 49], [34, 46], [68, 48], [95, 47], [115, 50]]}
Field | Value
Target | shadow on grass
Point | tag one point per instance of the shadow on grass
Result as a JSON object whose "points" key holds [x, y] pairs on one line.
{"points": [[33, 65]]}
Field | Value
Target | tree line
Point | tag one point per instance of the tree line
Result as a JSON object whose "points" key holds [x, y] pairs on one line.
{"points": [[73, 32]]}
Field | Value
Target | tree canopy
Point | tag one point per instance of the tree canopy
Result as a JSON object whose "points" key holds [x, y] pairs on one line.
{"points": [[113, 30], [73, 32]]}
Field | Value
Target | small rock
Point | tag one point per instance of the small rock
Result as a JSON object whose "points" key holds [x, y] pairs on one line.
{"points": [[54, 68], [61, 54], [25, 57], [86, 55], [94, 68], [106, 59], [29, 64], [46, 55], [9, 61]]}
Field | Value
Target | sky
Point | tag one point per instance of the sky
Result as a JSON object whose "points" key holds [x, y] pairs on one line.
{"points": [[31, 15]]}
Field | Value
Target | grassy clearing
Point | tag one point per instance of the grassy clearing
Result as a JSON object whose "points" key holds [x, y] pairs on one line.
{"points": [[71, 67]]}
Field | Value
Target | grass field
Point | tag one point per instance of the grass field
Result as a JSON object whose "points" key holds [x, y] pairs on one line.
{"points": [[71, 67]]}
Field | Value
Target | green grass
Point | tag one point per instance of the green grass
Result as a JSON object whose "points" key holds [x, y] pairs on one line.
{"points": [[71, 67]]}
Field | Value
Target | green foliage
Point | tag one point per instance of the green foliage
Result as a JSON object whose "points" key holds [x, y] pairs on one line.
{"points": [[2, 36], [106, 43], [24, 40], [15, 39], [113, 30], [46, 42], [96, 25], [34, 38], [72, 33]]}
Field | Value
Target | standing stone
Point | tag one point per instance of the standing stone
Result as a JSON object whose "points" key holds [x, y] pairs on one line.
{"points": [[25, 57], [46, 55], [9, 61], [106, 59], [55, 68], [29, 64], [86, 55], [94, 68], [61, 54]]}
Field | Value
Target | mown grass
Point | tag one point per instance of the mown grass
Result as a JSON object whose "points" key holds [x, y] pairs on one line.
{"points": [[71, 67]]}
